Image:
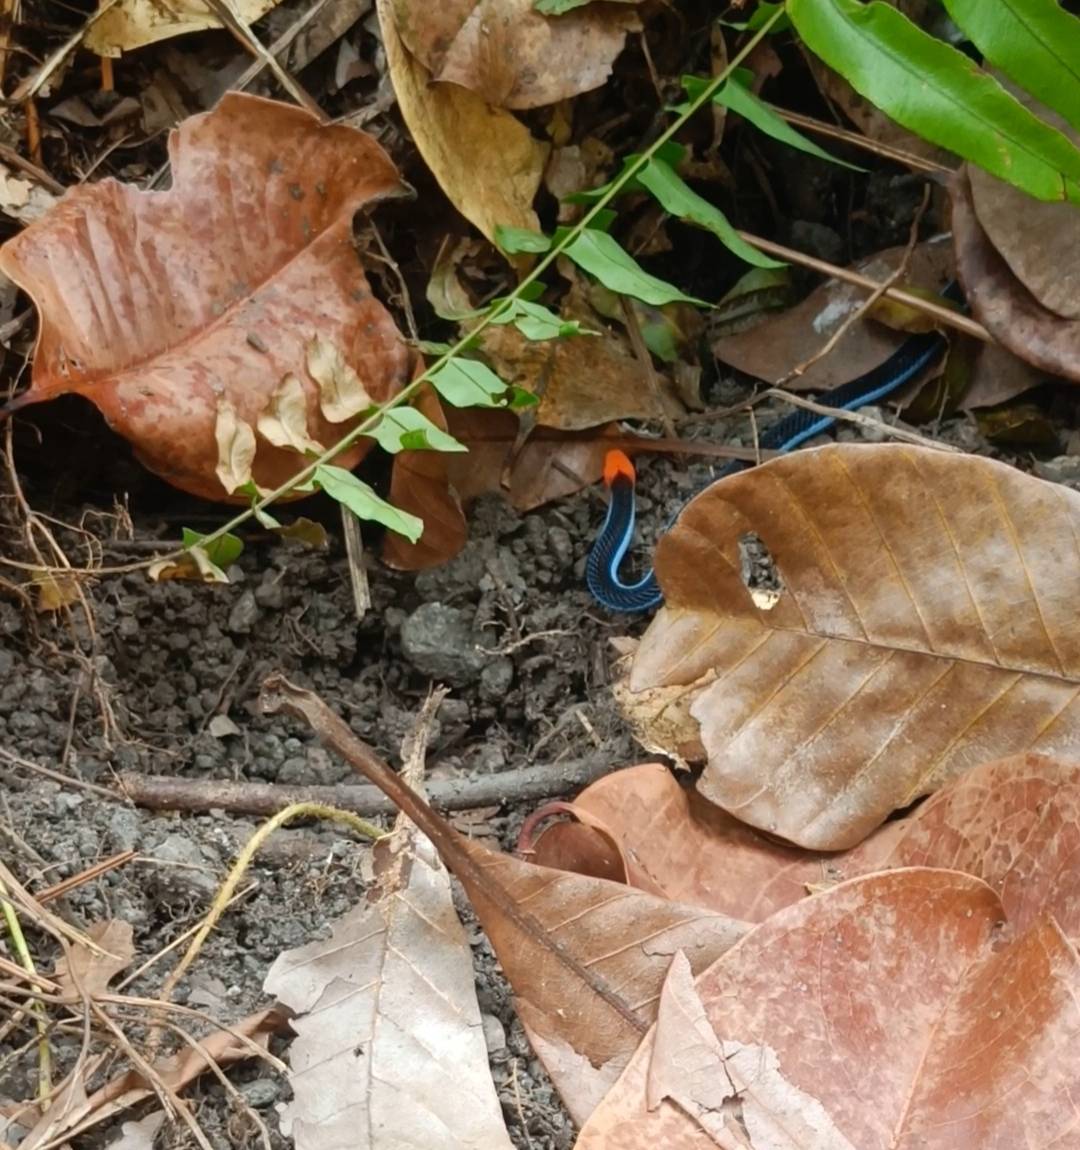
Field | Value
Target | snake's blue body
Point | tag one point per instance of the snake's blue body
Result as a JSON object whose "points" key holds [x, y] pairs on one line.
{"points": [[617, 533]]}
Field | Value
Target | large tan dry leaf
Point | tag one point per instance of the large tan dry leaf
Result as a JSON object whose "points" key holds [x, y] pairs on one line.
{"points": [[875, 1016], [1014, 823], [135, 23], [485, 160], [390, 1050], [773, 348], [1001, 302], [169, 310], [926, 624], [586, 958], [511, 55]]}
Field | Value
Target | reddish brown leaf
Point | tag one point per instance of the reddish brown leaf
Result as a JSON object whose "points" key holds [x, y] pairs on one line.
{"points": [[879, 1014], [512, 55], [773, 348], [420, 484], [926, 622], [166, 308], [586, 957], [1014, 823], [1001, 302]]}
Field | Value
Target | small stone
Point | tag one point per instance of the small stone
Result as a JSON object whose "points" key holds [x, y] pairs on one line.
{"points": [[185, 871], [261, 1093], [1063, 469], [440, 642], [494, 1036], [561, 546], [270, 595], [495, 679], [244, 614], [221, 725]]}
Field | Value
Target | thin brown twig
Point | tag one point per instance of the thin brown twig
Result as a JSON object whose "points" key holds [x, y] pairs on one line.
{"points": [[936, 311]]}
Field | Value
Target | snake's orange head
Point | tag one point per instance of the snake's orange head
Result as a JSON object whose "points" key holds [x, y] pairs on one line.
{"points": [[617, 466]]}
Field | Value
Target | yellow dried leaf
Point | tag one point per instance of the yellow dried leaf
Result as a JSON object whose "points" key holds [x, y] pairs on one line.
{"points": [[54, 590], [285, 421], [236, 447], [135, 23], [341, 394], [485, 160], [194, 564]]}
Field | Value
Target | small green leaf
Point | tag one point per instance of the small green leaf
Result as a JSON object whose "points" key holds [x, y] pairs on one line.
{"points": [[675, 197], [600, 255], [537, 322], [406, 429], [468, 383], [222, 552], [558, 7], [734, 94], [521, 240], [521, 399], [362, 501], [1034, 42], [932, 89], [432, 347]]}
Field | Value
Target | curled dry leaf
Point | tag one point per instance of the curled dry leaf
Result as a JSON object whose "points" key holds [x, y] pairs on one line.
{"points": [[1001, 302], [136, 23], [878, 1014], [926, 622], [485, 160], [586, 958], [509, 54], [1014, 823], [386, 1010], [772, 349], [166, 309]]}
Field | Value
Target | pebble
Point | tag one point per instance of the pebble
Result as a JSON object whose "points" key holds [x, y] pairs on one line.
{"points": [[260, 1093], [187, 871], [440, 642], [244, 614], [1063, 469], [124, 829], [494, 1036], [495, 679]]}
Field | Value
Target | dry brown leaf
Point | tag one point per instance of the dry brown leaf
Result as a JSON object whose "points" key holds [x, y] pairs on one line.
{"points": [[1001, 302], [485, 160], [997, 376], [89, 972], [586, 958], [136, 23], [386, 1011], [511, 55], [420, 484], [879, 1014], [584, 381], [926, 623], [1039, 241], [177, 1072], [156, 305], [770, 350], [1014, 823]]}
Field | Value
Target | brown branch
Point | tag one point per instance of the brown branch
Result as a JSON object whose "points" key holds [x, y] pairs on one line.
{"points": [[522, 784]]}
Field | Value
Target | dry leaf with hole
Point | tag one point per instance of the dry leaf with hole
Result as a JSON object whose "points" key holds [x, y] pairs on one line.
{"points": [[509, 54], [136, 23], [1001, 302], [879, 1014], [485, 160], [179, 313], [926, 623], [386, 1011], [1014, 823], [772, 349]]}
